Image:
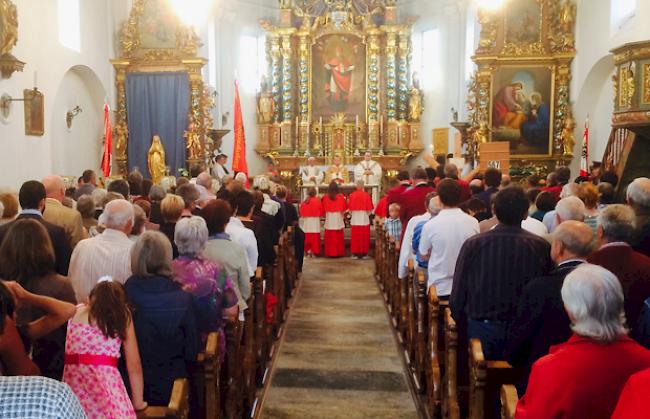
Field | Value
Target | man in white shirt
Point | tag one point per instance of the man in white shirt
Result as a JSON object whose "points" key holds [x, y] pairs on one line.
{"points": [[219, 167], [311, 175], [368, 170], [242, 235], [406, 251], [443, 237], [108, 254]]}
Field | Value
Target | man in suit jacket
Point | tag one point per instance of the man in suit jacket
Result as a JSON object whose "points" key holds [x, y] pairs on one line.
{"points": [[32, 201], [541, 320], [411, 201], [60, 215], [617, 223]]}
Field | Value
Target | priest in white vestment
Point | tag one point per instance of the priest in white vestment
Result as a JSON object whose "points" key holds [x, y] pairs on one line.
{"points": [[311, 174], [368, 170]]}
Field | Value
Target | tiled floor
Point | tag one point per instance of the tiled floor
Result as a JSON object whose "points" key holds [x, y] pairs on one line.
{"points": [[339, 358]]}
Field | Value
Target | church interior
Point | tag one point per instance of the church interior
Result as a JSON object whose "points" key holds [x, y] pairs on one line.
{"points": [[368, 208]]}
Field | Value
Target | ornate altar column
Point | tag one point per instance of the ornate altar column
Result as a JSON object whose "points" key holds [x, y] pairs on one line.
{"points": [[304, 88], [120, 131], [391, 135], [374, 62], [287, 125], [195, 134], [403, 54], [276, 74]]}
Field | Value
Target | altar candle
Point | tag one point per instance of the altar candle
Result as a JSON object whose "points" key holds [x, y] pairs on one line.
{"points": [[381, 126], [356, 123], [297, 127]]}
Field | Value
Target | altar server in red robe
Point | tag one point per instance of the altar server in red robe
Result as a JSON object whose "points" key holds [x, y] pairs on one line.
{"points": [[360, 208], [334, 206], [310, 212]]}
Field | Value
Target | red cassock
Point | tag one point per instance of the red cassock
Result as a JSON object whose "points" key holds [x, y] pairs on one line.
{"points": [[334, 225], [393, 194], [554, 190], [634, 402], [581, 379], [360, 207], [381, 210], [310, 211], [411, 203]]}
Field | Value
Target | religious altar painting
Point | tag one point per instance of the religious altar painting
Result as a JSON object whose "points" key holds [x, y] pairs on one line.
{"points": [[523, 22], [339, 76], [157, 25], [522, 109]]}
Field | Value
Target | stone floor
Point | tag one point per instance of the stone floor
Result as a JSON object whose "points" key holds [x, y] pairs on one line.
{"points": [[339, 357]]}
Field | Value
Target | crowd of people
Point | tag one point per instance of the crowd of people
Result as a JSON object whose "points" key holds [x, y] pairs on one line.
{"points": [[109, 293], [552, 276], [112, 291]]}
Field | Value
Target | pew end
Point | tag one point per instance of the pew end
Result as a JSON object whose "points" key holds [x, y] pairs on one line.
{"points": [[179, 403], [509, 400]]}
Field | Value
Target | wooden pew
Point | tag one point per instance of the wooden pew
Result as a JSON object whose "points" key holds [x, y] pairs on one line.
{"points": [[205, 380], [451, 408], [231, 376], [486, 379], [411, 316], [509, 400], [379, 253], [433, 381], [261, 338], [404, 304], [248, 365], [421, 312], [179, 403]]}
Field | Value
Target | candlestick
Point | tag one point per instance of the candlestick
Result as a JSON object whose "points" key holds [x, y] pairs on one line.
{"points": [[35, 79]]}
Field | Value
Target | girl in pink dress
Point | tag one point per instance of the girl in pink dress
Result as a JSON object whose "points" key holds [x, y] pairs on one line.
{"points": [[92, 348]]}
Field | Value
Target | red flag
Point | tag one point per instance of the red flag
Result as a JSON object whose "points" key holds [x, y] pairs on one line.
{"points": [[584, 156], [108, 142], [239, 150]]}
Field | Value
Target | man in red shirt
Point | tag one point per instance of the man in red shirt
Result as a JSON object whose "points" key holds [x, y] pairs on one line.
{"points": [[451, 171], [411, 201], [404, 184]]}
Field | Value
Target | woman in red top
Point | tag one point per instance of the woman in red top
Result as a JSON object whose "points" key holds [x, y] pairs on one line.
{"points": [[334, 206], [584, 377], [310, 213]]}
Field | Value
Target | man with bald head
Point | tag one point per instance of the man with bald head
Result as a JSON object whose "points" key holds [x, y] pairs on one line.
{"points": [[108, 254], [541, 320], [58, 214]]}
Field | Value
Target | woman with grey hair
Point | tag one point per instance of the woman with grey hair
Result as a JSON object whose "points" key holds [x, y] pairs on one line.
{"points": [[214, 295], [584, 377], [156, 195], [163, 316]]}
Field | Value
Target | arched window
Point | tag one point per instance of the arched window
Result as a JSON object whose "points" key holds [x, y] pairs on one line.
{"points": [[69, 24], [426, 57], [252, 61]]}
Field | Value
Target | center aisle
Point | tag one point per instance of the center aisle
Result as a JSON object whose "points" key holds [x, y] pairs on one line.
{"points": [[339, 357]]}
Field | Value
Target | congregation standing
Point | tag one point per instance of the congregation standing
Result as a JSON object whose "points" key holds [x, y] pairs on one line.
{"points": [[114, 290]]}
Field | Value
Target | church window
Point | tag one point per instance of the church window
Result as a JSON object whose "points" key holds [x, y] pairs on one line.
{"points": [[622, 11], [252, 61], [69, 22]]}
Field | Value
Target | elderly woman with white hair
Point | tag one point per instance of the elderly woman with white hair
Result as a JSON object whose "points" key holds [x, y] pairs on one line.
{"points": [[214, 294], [584, 377]]}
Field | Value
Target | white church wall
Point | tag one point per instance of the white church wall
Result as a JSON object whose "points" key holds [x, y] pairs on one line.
{"points": [[591, 87], [27, 157]]}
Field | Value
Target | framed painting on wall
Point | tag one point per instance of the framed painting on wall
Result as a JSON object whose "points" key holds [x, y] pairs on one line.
{"points": [[522, 108], [338, 76], [34, 105], [157, 25]]}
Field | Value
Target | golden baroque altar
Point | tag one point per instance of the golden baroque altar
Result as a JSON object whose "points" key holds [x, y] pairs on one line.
{"points": [[339, 84]]}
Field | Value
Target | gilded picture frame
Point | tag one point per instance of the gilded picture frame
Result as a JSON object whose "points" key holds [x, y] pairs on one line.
{"points": [[34, 105], [529, 128]]}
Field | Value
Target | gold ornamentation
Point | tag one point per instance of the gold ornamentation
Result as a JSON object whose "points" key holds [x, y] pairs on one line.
{"points": [[646, 84], [563, 17], [630, 85], [489, 29], [192, 141], [265, 104], [156, 160], [8, 26], [568, 136], [416, 107], [121, 134]]}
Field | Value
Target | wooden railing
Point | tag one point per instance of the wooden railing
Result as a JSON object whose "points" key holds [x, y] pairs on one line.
{"points": [[618, 148]]}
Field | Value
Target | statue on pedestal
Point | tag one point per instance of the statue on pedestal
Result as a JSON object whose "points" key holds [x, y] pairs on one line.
{"points": [[192, 139], [415, 100], [568, 136], [156, 160], [265, 103]]}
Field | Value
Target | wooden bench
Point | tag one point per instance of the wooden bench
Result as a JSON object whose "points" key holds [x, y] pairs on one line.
{"points": [[433, 374], [509, 400], [179, 403], [486, 379], [206, 379], [451, 407]]}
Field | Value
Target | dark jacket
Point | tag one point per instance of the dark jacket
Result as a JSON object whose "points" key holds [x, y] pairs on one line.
{"points": [[60, 241], [167, 333], [541, 320]]}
